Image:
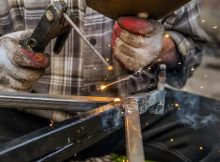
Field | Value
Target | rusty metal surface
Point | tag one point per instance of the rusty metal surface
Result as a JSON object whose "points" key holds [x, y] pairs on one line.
{"points": [[50, 102], [156, 9], [134, 141]]}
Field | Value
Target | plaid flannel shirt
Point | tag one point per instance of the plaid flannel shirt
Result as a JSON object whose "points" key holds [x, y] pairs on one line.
{"points": [[76, 67]]}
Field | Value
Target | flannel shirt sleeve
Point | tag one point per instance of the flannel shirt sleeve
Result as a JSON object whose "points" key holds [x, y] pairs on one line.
{"points": [[184, 29], [11, 16]]}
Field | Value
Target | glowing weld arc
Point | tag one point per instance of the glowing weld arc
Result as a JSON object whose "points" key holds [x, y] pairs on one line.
{"points": [[103, 87], [140, 71]]}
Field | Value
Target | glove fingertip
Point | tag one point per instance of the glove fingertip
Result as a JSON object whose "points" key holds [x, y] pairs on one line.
{"points": [[26, 58], [41, 59], [136, 25]]}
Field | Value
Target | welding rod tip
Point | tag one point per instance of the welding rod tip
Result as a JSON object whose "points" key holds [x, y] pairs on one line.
{"points": [[117, 100]]}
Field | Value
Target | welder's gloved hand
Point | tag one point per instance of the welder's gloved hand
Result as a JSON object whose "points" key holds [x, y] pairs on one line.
{"points": [[136, 42], [19, 68]]}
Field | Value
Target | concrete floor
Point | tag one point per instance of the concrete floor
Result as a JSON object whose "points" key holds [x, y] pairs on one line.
{"points": [[206, 79]]}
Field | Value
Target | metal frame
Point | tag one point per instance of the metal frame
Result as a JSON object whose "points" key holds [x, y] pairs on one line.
{"points": [[65, 139], [93, 122]]}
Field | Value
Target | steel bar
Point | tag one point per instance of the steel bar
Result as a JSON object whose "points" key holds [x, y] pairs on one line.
{"points": [[145, 101], [62, 154], [51, 102], [134, 141], [68, 137]]}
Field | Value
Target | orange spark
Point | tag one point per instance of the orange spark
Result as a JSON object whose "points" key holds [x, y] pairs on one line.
{"points": [[176, 105], [110, 68], [201, 148], [167, 36]]}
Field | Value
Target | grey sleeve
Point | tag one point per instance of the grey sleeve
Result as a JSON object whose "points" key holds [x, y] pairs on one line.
{"points": [[11, 16], [184, 29], [190, 56]]}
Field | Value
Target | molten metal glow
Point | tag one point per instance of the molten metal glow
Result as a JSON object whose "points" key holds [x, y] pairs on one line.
{"points": [[117, 100], [103, 87]]}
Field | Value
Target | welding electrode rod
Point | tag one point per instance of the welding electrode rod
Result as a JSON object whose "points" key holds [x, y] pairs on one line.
{"points": [[85, 39]]}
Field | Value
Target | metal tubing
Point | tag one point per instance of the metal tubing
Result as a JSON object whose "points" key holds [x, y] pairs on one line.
{"points": [[21, 100], [134, 141], [64, 139]]}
